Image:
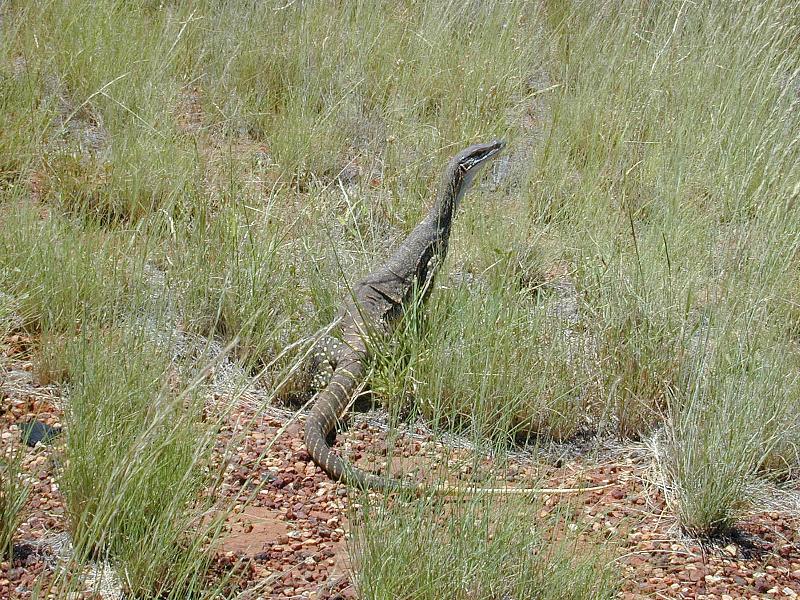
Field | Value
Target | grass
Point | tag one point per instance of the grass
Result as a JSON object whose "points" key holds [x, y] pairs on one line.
{"points": [[13, 495], [94, 275], [227, 169], [137, 458], [239, 280], [471, 549], [728, 426]]}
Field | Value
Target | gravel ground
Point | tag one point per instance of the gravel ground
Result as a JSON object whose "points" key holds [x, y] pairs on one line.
{"points": [[290, 541]]}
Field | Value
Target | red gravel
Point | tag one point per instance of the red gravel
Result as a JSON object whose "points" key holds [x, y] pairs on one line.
{"points": [[289, 542]]}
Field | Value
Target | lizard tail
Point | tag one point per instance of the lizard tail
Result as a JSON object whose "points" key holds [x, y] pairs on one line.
{"points": [[332, 401]]}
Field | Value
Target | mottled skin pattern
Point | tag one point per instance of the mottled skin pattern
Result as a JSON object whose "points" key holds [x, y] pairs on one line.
{"points": [[375, 304]]}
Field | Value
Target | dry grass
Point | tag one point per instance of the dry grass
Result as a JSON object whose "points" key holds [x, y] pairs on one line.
{"points": [[227, 169]]}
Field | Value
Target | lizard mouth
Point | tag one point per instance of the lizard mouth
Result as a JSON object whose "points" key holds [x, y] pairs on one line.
{"points": [[482, 154], [495, 147], [491, 150]]}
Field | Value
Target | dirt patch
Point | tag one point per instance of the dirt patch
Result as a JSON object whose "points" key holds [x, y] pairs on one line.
{"points": [[290, 540], [252, 531]]}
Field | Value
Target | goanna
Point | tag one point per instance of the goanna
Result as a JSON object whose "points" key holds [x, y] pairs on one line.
{"points": [[375, 304]]}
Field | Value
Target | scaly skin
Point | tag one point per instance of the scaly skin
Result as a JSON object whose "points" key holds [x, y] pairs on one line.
{"points": [[375, 304]]}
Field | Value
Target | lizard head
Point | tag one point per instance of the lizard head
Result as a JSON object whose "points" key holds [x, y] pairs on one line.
{"points": [[465, 165]]}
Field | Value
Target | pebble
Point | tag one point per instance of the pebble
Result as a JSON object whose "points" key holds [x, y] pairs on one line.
{"points": [[312, 551]]}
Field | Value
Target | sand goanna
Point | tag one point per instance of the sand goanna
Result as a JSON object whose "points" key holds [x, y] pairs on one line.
{"points": [[374, 305]]}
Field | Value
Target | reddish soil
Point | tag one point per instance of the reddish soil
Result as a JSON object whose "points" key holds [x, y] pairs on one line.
{"points": [[290, 541]]}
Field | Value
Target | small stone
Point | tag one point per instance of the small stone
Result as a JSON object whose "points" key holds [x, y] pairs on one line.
{"points": [[761, 585], [35, 431], [695, 575]]}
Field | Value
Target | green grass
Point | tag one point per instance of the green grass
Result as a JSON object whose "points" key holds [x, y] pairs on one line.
{"points": [[239, 276], [734, 420], [474, 549], [228, 169], [13, 494], [62, 273], [137, 457]]}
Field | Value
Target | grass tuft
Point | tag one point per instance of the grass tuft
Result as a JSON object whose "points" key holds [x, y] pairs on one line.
{"points": [[13, 495], [136, 461], [727, 425], [474, 549]]}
